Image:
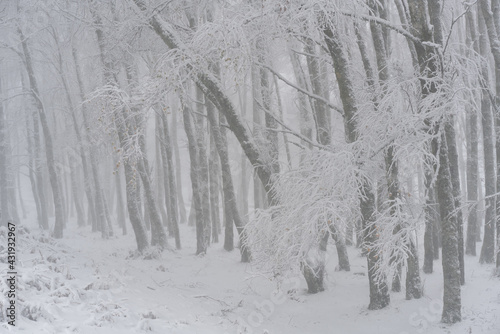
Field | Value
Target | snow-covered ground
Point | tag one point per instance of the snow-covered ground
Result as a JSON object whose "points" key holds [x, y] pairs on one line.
{"points": [[84, 284]]}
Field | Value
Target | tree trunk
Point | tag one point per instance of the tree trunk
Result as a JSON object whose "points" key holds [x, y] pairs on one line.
{"points": [[200, 135], [120, 208], [213, 166], [379, 292], [201, 240], [49, 150], [169, 177], [492, 23], [178, 176], [98, 204], [450, 235], [413, 284], [230, 205], [451, 272], [472, 153], [488, 247]]}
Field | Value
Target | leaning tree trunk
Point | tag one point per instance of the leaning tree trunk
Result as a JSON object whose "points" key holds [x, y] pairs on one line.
{"points": [[49, 150]]}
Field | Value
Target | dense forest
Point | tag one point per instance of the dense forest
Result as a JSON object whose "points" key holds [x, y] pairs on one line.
{"points": [[279, 130]]}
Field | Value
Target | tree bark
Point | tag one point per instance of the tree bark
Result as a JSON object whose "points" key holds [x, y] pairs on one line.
{"points": [[49, 150], [488, 247], [492, 23], [201, 240], [451, 272], [472, 152], [379, 292], [213, 167], [230, 205], [169, 177]]}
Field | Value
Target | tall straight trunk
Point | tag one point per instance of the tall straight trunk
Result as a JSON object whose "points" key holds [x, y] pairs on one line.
{"points": [[39, 173], [120, 208], [80, 213], [430, 220], [244, 181], [162, 194], [31, 172], [457, 194], [201, 133], [178, 176], [488, 247], [258, 135], [436, 231], [230, 206], [472, 173], [451, 294], [49, 150], [65, 192], [169, 177], [108, 222], [480, 208], [379, 292], [472, 152], [201, 240], [492, 24], [213, 167]]}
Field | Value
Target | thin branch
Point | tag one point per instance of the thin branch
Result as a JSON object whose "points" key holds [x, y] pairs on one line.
{"points": [[289, 130], [311, 95], [391, 26]]}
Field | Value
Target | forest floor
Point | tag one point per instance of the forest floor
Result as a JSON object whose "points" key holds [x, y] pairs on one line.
{"points": [[84, 284]]}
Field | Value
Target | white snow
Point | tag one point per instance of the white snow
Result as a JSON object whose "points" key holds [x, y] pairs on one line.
{"points": [[84, 284]]}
